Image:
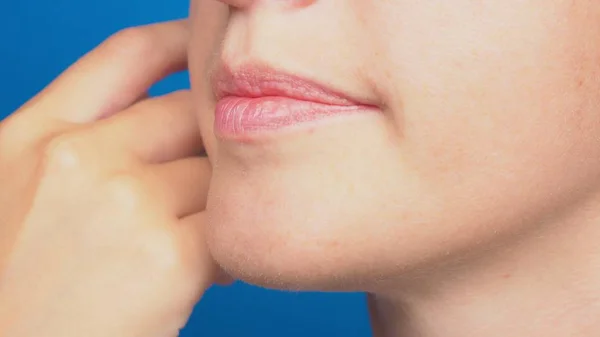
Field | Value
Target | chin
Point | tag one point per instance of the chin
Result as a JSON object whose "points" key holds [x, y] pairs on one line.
{"points": [[276, 239], [298, 227], [276, 229], [314, 224], [299, 214]]}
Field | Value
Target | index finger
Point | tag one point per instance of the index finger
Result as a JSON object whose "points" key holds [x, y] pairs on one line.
{"points": [[114, 75]]}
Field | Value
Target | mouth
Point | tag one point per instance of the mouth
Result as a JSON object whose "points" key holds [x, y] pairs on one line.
{"points": [[255, 102]]}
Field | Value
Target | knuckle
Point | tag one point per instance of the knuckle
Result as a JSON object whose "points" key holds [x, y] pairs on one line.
{"points": [[163, 251], [63, 152], [128, 192]]}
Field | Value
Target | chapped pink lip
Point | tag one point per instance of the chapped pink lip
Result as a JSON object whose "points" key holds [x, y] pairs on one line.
{"points": [[257, 101]]}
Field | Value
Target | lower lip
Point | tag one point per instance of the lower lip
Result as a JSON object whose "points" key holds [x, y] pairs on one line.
{"points": [[246, 117]]}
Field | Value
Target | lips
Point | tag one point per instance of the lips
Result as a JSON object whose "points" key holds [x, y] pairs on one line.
{"points": [[258, 101]]}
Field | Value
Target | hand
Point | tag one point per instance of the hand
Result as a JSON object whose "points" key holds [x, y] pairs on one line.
{"points": [[101, 197]]}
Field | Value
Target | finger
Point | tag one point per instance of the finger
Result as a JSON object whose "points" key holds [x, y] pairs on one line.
{"points": [[141, 98], [114, 75], [238, 3], [155, 130], [209, 20], [183, 184]]}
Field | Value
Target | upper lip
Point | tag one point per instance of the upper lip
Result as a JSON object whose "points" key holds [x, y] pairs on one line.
{"points": [[253, 81]]}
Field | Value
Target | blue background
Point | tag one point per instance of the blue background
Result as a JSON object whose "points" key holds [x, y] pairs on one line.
{"points": [[40, 38]]}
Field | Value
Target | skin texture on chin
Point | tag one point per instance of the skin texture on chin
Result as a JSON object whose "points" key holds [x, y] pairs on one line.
{"points": [[487, 138]]}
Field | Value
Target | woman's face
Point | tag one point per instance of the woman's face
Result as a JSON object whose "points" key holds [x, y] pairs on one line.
{"points": [[486, 124]]}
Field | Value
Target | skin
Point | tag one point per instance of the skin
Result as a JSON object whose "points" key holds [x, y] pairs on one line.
{"points": [[101, 234], [467, 207]]}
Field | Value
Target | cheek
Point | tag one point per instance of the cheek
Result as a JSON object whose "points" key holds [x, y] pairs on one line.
{"points": [[490, 101]]}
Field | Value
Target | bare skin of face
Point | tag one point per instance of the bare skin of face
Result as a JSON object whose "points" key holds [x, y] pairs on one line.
{"points": [[462, 190]]}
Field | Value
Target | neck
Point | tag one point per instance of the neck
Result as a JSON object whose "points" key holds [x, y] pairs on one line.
{"points": [[547, 284]]}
